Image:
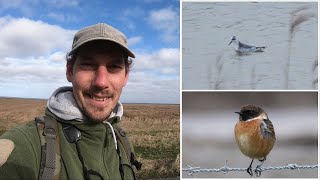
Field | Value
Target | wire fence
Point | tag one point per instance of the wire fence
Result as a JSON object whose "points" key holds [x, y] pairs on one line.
{"points": [[259, 169]]}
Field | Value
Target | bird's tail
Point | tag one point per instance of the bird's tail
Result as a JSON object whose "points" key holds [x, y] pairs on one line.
{"points": [[260, 49]]}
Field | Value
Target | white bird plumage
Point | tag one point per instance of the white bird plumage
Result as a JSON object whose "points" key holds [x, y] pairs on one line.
{"points": [[241, 47]]}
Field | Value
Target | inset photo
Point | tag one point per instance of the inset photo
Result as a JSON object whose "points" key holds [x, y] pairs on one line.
{"points": [[249, 134], [249, 45]]}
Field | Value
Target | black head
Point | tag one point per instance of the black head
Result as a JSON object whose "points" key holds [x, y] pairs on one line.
{"points": [[232, 39], [249, 111]]}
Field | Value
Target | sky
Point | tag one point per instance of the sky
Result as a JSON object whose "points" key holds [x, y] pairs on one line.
{"points": [[36, 35]]}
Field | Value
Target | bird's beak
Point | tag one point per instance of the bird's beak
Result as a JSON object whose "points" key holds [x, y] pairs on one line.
{"points": [[230, 42], [238, 113]]}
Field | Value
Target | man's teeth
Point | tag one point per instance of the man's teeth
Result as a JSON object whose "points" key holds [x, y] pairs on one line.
{"points": [[99, 98]]}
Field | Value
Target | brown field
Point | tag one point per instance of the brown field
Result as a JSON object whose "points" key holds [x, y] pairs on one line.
{"points": [[153, 129]]}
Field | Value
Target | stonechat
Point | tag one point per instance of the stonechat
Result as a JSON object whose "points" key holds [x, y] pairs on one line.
{"points": [[254, 134]]}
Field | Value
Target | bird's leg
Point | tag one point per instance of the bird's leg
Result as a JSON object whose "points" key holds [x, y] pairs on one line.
{"points": [[258, 169], [249, 169], [262, 161]]}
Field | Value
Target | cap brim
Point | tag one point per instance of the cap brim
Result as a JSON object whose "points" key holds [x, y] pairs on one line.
{"points": [[130, 53]]}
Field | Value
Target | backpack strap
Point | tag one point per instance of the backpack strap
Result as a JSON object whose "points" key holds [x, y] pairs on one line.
{"points": [[121, 136], [50, 147]]}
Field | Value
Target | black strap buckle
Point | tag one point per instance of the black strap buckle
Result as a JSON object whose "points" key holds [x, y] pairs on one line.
{"points": [[71, 133], [135, 162]]}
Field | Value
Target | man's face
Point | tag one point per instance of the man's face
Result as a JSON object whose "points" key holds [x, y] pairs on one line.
{"points": [[98, 76]]}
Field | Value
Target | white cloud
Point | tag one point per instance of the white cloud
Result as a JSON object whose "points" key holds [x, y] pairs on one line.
{"points": [[63, 3], [23, 37], [167, 21], [36, 70], [152, 91], [62, 17], [134, 40], [32, 54], [154, 77], [129, 16], [165, 61], [150, 88], [32, 77], [133, 12], [32, 58], [57, 57], [56, 16]]}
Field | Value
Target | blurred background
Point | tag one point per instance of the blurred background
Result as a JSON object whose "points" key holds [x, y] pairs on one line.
{"points": [[208, 121]]}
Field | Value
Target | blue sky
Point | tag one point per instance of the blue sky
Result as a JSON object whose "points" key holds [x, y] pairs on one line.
{"points": [[35, 36]]}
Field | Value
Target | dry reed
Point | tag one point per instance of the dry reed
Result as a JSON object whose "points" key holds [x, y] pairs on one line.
{"points": [[298, 16], [218, 66]]}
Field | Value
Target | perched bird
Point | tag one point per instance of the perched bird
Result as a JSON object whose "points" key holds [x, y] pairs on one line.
{"points": [[254, 134], [245, 48]]}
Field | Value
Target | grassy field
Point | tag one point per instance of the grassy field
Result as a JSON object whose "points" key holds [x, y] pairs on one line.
{"points": [[152, 128]]}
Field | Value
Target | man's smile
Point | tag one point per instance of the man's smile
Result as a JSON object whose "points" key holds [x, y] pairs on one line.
{"points": [[99, 98]]}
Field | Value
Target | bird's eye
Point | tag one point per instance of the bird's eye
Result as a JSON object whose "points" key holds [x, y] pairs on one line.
{"points": [[254, 113]]}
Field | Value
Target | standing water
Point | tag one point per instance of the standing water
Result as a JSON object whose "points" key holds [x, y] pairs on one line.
{"points": [[287, 29]]}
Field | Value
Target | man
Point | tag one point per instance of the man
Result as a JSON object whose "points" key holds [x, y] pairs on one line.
{"points": [[78, 138]]}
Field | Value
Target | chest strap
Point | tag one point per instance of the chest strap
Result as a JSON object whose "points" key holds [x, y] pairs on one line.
{"points": [[50, 148], [124, 140], [50, 164]]}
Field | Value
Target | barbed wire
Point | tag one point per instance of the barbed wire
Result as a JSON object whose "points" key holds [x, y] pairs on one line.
{"points": [[225, 169]]}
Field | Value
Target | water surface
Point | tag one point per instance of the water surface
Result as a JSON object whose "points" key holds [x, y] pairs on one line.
{"points": [[209, 63]]}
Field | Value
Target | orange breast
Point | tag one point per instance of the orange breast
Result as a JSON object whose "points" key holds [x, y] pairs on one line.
{"points": [[250, 140]]}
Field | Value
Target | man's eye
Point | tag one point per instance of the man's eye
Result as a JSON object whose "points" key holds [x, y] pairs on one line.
{"points": [[115, 66], [85, 65]]}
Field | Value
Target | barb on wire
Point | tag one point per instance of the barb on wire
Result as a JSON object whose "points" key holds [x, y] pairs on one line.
{"points": [[225, 169]]}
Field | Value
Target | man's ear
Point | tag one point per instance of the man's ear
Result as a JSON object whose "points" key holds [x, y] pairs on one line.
{"points": [[69, 72]]}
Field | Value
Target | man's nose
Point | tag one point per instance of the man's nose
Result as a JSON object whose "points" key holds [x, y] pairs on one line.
{"points": [[101, 77]]}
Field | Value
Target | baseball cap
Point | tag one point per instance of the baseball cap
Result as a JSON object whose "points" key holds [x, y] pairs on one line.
{"points": [[100, 31]]}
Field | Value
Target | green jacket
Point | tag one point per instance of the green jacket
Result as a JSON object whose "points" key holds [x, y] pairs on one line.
{"points": [[97, 148]]}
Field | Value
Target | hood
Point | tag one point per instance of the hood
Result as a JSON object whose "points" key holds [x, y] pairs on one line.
{"points": [[63, 104]]}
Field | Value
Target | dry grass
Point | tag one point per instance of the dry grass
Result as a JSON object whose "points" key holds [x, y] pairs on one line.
{"points": [[298, 16], [153, 129], [14, 111], [315, 70]]}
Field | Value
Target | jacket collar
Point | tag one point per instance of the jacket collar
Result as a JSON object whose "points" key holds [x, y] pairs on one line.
{"points": [[63, 105]]}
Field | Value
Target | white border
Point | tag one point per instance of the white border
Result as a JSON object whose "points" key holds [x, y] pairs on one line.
{"points": [[248, 1], [181, 90]]}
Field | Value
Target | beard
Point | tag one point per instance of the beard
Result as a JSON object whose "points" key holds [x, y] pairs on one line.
{"points": [[96, 114], [99, 114]]}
